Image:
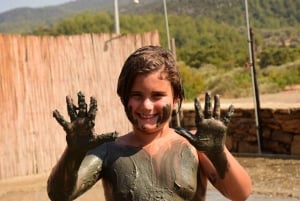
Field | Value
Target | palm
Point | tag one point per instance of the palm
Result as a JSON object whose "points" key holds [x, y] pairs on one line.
{"points": [[211, 131], [80, 131]]}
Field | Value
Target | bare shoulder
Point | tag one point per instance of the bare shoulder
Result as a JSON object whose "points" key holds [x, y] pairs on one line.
{"points": [[177, 137], [129, 139]]}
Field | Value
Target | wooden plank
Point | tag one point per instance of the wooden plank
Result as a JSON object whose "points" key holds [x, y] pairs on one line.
{"points": [[37, 72]]}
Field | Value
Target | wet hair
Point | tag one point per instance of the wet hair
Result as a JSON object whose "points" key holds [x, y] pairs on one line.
{"points": [[146, 60]]}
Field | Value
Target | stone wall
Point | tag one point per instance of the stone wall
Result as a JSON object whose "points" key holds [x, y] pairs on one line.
{"points": [[280, 130]]}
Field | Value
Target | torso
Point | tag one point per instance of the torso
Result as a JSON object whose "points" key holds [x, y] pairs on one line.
{"points": [[138, 174]]}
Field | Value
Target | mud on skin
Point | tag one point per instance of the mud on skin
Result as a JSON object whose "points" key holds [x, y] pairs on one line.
{"points": [[131, 173], [163, 118]]}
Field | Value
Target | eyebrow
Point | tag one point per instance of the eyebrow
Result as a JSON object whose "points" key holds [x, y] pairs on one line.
{"points": [[153, 92], [159, 92]]}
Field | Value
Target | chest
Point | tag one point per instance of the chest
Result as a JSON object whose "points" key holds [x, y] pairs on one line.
{"points": [[169, 174]]}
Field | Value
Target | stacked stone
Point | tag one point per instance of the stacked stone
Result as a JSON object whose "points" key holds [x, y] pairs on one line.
{"points": [[280, 130]]}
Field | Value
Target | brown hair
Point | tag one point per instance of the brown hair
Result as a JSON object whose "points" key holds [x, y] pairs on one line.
{"points": [[146, 60]]}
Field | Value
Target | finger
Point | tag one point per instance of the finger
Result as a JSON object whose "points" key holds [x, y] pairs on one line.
{"points": [[217, 111], [198, 112], [92, 112], [60, 119], [186, 134], [82, 105], [71, 108], [100, 139], [107, 137], [228, 115], [207, 106]]}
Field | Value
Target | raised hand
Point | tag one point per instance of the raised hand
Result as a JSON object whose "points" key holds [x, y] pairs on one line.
{"points": [[80, 131], [211, 131]]}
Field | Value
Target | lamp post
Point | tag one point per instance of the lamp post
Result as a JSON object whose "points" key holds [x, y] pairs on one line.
{"points": [[166, 22], [117, 23]]}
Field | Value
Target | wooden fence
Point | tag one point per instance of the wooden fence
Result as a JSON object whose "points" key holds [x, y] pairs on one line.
{"points": [[36, 73]]}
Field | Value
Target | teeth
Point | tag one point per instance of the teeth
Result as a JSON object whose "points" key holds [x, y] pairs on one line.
{"points": [[147, 116]]}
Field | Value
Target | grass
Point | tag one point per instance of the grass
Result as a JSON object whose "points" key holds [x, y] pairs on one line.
{"points": [[237, 82]]}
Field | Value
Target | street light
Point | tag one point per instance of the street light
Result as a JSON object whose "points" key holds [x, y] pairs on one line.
{"points": [[167, 24], [166, 21], [117, 23]]}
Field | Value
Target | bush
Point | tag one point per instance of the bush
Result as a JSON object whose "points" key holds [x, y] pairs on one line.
{"points": [[193, 82], [278, 56], [282, 76], [231, 84]]}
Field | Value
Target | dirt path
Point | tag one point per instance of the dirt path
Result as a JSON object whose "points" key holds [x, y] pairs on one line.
{"points": [[275, 178], [285, 99]]}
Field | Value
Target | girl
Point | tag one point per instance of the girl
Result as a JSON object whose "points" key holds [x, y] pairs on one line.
{"points": [[153, 161]]}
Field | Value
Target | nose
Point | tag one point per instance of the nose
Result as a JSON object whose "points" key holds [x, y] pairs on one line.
{"points": [[147, 104]]}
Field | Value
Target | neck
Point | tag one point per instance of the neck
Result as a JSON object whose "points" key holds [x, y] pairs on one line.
{"points": [[143, 138]]}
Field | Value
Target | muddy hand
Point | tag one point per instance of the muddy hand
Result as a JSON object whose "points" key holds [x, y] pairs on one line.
{"points": [[80, 131], [211, 131]]}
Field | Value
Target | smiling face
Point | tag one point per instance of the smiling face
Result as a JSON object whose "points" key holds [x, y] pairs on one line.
{"points": [[146, 60], [150, 103]]}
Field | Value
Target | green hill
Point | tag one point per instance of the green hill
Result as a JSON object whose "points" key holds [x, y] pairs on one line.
{"points": [[263, 13], [210, 36]]}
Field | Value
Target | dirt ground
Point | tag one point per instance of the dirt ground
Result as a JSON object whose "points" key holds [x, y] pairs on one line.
{"points": [[277, 177], [289, 98], [273, 177]]}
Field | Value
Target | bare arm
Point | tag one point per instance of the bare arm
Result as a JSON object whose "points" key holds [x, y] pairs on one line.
{"points": [[63, 180], [223, 171], [236, 183]]}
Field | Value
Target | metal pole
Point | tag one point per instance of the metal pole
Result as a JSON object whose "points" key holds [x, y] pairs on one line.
{"points": [[254, 83], [167, 24], [117, 23], [259, 128]]}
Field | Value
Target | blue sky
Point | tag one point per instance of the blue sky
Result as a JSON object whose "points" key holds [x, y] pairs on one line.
{"points": [[6, 5]]}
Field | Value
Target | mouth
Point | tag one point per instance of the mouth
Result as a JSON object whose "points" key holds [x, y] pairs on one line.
{"points": [[147, 116], [147, 121]]}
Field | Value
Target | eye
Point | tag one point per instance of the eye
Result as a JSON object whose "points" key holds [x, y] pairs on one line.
{"points": [[158, 95], [135, 95]]}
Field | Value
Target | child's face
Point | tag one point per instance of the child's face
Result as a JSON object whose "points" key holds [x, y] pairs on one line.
{"points": [[151, 102]]}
